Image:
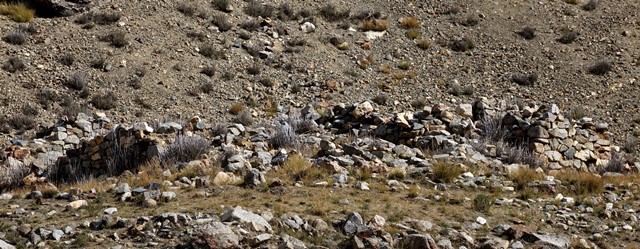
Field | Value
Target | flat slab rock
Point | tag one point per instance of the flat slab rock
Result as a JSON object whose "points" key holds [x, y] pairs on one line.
{"points": [[257, 222]]}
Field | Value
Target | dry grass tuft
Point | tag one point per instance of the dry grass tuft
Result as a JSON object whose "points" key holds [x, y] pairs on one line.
{"points": [[409, 22], [237, 108], [582, 183], [299, 168], [375, 25], [19, 12], [446, 172], [523, 176]]}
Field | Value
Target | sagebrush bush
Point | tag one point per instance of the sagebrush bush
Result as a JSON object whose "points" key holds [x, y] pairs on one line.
{"points": [[209, 51], [284, 136], [67, 59], [208, 71], [222, 22], [106, 18], [616, 164], [482, 203], [331, 13], [16, 37], [462, 45], [221, 5], [513, 153], [568, 37], [286, 12], [524, 79], [630, 145], [21, 122], [185, 149], [446, 172], [582, 183], [29, 110], [591, 5], [470, 21], [105, 101], [11, 176], [244, 117], [116, 38], [250, 25], [46, 98], [13, 65], [188, 9], [492, 129], [527, 33], [423, 43], [77, 81], [419, 103], [578, 112], [206, 87], [256, 9], [601, 67], [413, 33], [19, 12]]}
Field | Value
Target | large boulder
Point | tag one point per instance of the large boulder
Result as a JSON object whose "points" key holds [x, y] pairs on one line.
{"points": [[216, 235]]}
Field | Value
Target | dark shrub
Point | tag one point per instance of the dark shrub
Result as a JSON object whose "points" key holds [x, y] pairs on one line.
{"points": [[380, 100], [591, 5], [117, 39], [284, 136], [256, 9], [197, 36], [616, 164], [185, 149], [462, 45], [13, 65], [568, 37], [206, 87], [208, 71], [188, 9], [254, 69], [46, 97], [77, 81], [331, 13], [29, 110], [244, 117], [250, 25], [106, 18], [601, 67], [222, 22], [67, 59], [286, 12], [209, 51], [470, 21], [21, 122], [98, 63], [105, 101], [458, 90], [221, 5], [524, 80], [16, 37], [527, 33]]}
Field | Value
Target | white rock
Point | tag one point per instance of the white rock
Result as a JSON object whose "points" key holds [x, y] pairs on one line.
{"points": [[308, 27], [481, 220]]}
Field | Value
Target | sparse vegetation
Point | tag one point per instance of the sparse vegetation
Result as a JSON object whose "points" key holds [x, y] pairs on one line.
{"points": [[116, 38], [13, 64], [601, 67], [380, 100], [482, 203], [244, 117], [591, 5], [298, 169], [256, 9], [16, 37], [250, 25], [578, 112], [423, 43], [222, 22], [462, 45], [568, 37], [67, 59], [523, 177], [77, 81], [375, 25], [331, 13], [105, 101], [524, 79], [582, 183], [188, 8], [185, 149], [458, 90], [446, 172], [208, 71], [207, 50], [409, 22], [237, 108], [470, 21], [19, 12], [527, 33], [413, 33], [221, 5]]}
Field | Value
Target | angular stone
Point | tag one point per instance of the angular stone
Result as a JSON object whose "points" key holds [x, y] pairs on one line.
{"points": [[547, 240], [404, 151], [259, 239], [537, 132], [289, 242], [559, 133], [417, 241], [74, 205], [168, 196], [465, 110], [362, 109], [255, 222], [553, 155], [219, 235]]}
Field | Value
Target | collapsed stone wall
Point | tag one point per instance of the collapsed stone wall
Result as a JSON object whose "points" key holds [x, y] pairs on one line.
{"points": [[559, 142]]}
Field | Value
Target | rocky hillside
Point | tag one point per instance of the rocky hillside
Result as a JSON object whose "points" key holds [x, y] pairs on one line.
{"points": [[272, 124]]}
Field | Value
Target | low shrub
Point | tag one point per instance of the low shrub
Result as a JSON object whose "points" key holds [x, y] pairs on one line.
{"points": [[462, 45], [286, 12], [568, 37], [116, 38], [513, 153], [16, 37], [299, 168], [413, 33], [527, 33], [105, 101], [222, 22], [482, 203], [601, 67], [409, 22], [446, 172], [208, 71], [106, 18], [284, 136], [209, 51], [616, 164], [244, 117], [331, 13], [523, 177], [470, 21], [381, 100], [13, 65], [524, 79], [423, 43], [188, 9], [221, 5], [256, 9], [185, 149], [237, 108], [21, 122], [591, 5], [582, 183], [250, 25], [77, 81], [375, 25], [67, 59]]}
